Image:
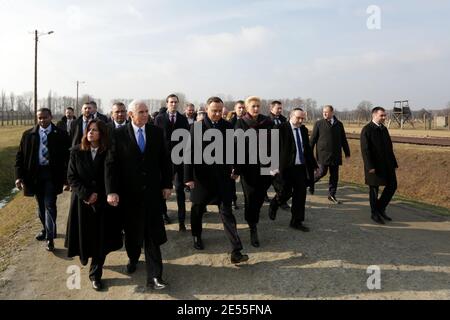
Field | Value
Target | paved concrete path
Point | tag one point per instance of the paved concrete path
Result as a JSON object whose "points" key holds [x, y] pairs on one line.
{"points": [[330, 262]]}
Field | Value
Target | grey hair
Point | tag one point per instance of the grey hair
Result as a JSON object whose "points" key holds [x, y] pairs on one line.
{"points": [[133, 105]]}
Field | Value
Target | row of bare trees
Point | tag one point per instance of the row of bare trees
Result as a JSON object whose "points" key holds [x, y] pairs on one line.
{"points": [[19, 109]]}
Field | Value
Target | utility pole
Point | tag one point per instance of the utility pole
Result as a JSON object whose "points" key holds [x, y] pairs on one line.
{"points": [[77, 106], [35, 75], [36, 40]]}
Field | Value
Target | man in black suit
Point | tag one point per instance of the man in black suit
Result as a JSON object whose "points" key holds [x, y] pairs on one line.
{"points": [[138, 174], [212, 183], [297, 165], [379, 164], [66, 122], [189, 113], [79, 125], [239, 109], [96, 114], [329, 136], [118, 115], [40, 170], [276, 114], [169, 122]]}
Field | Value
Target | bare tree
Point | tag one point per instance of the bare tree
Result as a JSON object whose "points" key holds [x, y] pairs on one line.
{"points": [[12, 99], [3, 105], [363, 110]]}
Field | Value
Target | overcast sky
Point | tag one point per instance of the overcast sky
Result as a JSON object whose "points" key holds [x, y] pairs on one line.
{"points": [[274, 49]]}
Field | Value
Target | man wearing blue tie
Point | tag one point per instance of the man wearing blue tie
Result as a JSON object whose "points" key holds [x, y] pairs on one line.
{"points": [[296, 171], [139, 178], [41, 167]]}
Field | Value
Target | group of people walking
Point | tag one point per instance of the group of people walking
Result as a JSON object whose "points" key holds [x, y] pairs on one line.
{"points": [[120, 173]]}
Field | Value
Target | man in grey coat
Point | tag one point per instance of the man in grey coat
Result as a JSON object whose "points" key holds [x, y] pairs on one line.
{"points": [[329, 136]]}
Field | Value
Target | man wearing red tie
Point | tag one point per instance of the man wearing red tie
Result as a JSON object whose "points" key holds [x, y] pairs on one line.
{"points": [[169, 122]]}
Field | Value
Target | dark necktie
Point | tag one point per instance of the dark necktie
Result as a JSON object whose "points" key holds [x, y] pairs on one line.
{"points": [[172, 119], [299, 146]]}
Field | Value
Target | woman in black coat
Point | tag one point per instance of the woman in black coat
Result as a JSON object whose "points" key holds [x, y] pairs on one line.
{"points": [[254, 184], [92, 227]]}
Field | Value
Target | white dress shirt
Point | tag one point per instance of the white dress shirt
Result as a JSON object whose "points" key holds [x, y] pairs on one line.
{"points": [[297, 157], [94, 152], [69, 124], [118, 125]]}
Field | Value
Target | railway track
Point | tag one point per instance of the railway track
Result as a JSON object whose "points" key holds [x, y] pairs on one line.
{"points": [[441, 142]]}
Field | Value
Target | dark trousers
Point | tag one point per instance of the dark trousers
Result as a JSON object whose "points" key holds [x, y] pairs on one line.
{"points": [[179, 189], [294, 186], [255, 189], [334, 177], [46, 198], [233, 190], [379, 205], [228, 220], [153, 258], [96, 268]]}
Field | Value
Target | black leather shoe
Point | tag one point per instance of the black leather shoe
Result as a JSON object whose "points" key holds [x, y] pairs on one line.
{"points": [[97, 285], [40, 236], [377, 218], [131, 267], [235, 206], [238, 257], [198, 243], [167, 219], [157, 284], [50, 246], [385, 216], [254, 237], [334, 200], [311, 190], [299, 226], [285, 206], [182, 227], [272, 213]]}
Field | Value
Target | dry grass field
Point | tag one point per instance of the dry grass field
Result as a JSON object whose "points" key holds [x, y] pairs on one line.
{"points": [[423, 174]]}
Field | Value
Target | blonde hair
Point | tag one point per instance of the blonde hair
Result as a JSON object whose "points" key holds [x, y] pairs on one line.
{"points": [[250, 99]]}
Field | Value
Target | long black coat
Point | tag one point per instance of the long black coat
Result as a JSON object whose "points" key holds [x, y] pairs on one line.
{"points": [[163, 121], [330, 141], [378, 153], [139, 179], [212, 182], [282, 118], [247, 169], [92, 231], [288, 151], [27, 159], [76, 131]]}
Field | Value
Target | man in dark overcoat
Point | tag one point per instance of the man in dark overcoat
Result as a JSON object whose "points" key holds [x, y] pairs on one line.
{"points": [[329, 136], [41, 168], [138, 174], [213, 183], [379, 164]]}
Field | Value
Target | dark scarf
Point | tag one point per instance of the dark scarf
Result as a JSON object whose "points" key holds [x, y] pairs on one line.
{"points": [[260, 122]]}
